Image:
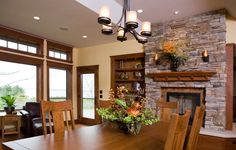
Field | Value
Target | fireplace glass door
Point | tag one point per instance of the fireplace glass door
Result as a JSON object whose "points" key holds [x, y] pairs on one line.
{"points": [[186, 101]]}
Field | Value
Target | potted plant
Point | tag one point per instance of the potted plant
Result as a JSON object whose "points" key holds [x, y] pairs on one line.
{"points": [[127, 114], [9, 101]]}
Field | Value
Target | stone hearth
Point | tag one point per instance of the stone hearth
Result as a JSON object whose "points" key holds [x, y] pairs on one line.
{"points": [[203, 32]]}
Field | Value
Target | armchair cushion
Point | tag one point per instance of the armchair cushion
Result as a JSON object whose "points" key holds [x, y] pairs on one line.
{"points": [[31, 111], [33, 108], [31, 119]]}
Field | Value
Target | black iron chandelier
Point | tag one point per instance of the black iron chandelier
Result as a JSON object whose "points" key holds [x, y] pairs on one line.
{"points": [[128, 22]]}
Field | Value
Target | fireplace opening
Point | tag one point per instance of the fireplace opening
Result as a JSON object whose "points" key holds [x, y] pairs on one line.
{"points": [[186, 101], [187, 97]]}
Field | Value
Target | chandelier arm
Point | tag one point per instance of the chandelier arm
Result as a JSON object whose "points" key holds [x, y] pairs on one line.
{"points": [[128, 4], [122, 15], [138, 33], [134, 33], [116, 25]]}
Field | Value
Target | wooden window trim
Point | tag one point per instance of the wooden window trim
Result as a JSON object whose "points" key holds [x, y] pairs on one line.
{"points": [[57, 59], [229, 85], [29, 61], [60, 48], [68, 80], [20, 52], [22, 37]]}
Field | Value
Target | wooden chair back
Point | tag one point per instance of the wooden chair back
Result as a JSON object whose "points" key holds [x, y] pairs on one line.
{"points": [[166, 109], [56, 113], [195, 129], [177, 131], [104, 103]]}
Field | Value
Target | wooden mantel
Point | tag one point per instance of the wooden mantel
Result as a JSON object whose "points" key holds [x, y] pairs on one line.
{"points": [[187, 76]]}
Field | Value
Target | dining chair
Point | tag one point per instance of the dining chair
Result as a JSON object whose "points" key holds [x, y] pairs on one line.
{"points": [[195, 129], [104, 103], [177, 131], [166, 109], [57, 114]]}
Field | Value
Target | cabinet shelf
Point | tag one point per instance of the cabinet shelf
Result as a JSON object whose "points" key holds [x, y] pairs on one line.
{"points": [[130, 80], [129, 70], [131, 66]]}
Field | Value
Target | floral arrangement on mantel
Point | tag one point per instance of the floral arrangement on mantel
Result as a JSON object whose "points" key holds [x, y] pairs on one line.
{"points": [[174, 52], [128, 114]]}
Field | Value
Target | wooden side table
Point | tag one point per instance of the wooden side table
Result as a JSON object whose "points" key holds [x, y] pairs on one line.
{"points": [[14, 120]]}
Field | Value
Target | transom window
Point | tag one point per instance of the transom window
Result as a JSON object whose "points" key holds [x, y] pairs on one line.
{"points": [[17, 45], [57, 54]]}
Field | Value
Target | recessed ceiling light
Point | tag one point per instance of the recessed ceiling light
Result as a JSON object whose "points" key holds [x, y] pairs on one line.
{"points": [[84, 36], [36, 18], [139, 10], [176, 12]]}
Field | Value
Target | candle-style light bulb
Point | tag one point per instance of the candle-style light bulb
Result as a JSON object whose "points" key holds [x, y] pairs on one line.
{"points": [[205, 53], [132, 20], [156, 57], [104, 15], [146, 28], [107, 29], [205, 56]]}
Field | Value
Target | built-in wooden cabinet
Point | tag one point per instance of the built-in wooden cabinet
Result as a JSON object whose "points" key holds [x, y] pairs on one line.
{"points": [[128, 70]]}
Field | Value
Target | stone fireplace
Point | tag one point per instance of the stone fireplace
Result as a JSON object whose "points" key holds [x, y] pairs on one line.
{"points": [[206, 79]]}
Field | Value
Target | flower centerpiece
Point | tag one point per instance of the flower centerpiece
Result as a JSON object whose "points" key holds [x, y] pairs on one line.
{"points": [[128, 114], [174, 52]]}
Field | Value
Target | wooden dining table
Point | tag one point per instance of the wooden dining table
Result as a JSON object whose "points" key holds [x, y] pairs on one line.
{"points": [[97, 137]]}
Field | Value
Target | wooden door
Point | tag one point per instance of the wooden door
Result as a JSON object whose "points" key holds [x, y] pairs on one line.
{"points": [[87, 86]]}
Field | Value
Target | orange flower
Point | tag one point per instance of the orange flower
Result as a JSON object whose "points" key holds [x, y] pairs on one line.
{"points": [[169, 47], [133, 111]]}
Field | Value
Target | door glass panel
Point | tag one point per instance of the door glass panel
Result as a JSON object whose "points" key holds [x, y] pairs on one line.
{"points": [[88, 98]]}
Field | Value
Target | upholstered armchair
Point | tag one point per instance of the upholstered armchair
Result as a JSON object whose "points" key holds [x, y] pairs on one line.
{"points": [[31, 120]]}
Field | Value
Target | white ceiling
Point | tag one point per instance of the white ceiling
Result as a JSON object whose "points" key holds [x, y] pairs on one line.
{"points": [[79, 20]]}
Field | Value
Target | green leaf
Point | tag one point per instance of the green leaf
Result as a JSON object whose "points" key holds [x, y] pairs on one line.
{"points": [[9, 100], [128, 119], [121, 103]]}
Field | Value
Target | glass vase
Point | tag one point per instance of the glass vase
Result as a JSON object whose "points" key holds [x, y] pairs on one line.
{"points": [[130, 128], [134, 128]]}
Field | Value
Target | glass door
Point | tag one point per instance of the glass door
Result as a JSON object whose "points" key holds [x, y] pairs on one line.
{"points": [[87, 94]]}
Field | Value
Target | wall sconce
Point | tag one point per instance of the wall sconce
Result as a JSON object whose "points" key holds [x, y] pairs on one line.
{"points": [[156, 59], [205, 56]]}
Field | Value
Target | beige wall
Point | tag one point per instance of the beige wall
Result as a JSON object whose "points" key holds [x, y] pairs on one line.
{"points": [[100, 55], [230, 30]]}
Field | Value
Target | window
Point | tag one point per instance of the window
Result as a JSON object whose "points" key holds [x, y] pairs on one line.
{"points": [[57, 90], [18, 80], [59, 52], [30, 48], [18, 42]]}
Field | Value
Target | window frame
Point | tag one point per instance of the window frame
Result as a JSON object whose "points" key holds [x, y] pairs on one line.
{"points": [[28, 61], [21, 38], [68, 68], [56, 47]]}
